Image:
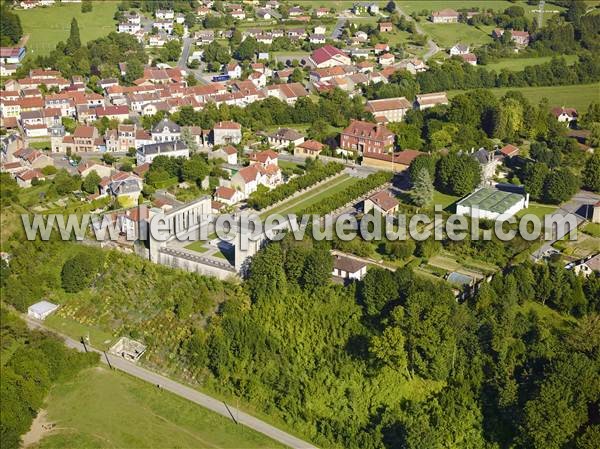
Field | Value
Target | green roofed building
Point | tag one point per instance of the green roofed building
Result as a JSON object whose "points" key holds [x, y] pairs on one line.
{"points": [[492, 204]]}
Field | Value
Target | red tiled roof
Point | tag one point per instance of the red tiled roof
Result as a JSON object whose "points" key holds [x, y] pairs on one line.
{"points": [[509, 150], [224, 192], [402, 157], [384, 200], [312, 145], [86, 132], [325, 53], [227, 125]]}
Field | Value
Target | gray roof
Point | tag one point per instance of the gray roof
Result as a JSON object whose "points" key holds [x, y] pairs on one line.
{"points": [[166, 123], [286, 134], [162, 147], [482, 156], [491, 200]]}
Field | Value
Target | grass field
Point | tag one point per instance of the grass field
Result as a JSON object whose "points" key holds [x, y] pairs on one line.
{"points": [[103, 408], [446, 35], [313, 196], [497, 5], [577, 96], [539, 210], [592, 229], [48, 26], [444, 200], [518, 64]]}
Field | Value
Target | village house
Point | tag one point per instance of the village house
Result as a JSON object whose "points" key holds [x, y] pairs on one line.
{"points": [[459, 49], [102, 170], [227, 153], [389, 109], [365, 137], [166, 131], [33, 159], [147, 153], [264, 158], [395, 162], [284, 137], [287, 92], [469, 58], [445, 16], [228, 196], [85, 139], [25, 178], [382, 202], [249, 178], [426, 101], [329, 56], [520, 38], [386, 59], [233, 70], [309, 148], [509, 150], [413, 65], [349, 269], [226, 133], [386, 27], [365, 8], [122, 185], [565, 115]]}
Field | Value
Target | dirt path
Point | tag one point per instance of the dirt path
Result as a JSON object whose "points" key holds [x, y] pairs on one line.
{"points": [[40, 428]]}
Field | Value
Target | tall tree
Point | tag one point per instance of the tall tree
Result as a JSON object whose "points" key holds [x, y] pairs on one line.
{"points": [[422, 191], [74, 40], [591, 173]]}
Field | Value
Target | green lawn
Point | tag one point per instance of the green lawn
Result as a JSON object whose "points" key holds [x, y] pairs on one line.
{"points": [[97, 337], [197, 246], [592, 229], [313, 196], [517, 64], [446, 35], [48, 26], [103, 408], [577, 96], [539, 210], [444, 200]]}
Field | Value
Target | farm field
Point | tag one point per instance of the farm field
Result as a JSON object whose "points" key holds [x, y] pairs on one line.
{"points": [[103, 408], [48, 26], [576, 96], [517, 64]]}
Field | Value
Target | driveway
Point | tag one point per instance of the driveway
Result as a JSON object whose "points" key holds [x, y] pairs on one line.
{"points": [[580, 206]]}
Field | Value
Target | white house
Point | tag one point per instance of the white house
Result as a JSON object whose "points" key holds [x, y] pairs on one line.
{"points": [[147, 153], [228, 196], [348, 268], [166, 131], [459, 49]]}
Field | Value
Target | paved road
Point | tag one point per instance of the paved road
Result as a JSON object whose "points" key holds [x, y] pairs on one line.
{"points": [[185, 53], [188, 393], [433, 47], [339, 26]]}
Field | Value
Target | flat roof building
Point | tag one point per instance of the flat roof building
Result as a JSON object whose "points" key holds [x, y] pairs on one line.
{"points": [[492, 204], [40, 310]]}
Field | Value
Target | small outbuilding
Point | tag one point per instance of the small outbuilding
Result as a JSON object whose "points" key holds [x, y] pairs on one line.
{"points": [[128, 349], [41, 310]]}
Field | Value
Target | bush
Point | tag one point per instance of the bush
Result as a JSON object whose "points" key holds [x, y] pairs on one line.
{"points": [[49, 170], [77, 272]]}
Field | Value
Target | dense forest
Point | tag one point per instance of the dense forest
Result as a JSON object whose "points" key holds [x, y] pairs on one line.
{"points": [[393, 361]]}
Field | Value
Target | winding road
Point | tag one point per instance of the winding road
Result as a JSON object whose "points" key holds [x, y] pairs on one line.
{"points": [[216, 405], [433, 47]]}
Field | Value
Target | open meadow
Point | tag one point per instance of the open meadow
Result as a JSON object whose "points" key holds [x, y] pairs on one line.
{"points": [[103, 408], [576, 96], [48, 26]]}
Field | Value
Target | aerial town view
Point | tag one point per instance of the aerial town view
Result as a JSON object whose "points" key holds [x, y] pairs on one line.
{"points": [[256, 224]]}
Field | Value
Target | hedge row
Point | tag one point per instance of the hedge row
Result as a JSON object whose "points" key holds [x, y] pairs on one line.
{"points": [[317, 173], [342, 198]]}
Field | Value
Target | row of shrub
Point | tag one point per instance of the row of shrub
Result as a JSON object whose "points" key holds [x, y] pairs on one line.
{"points": [[315, 173], [339, 199]]}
